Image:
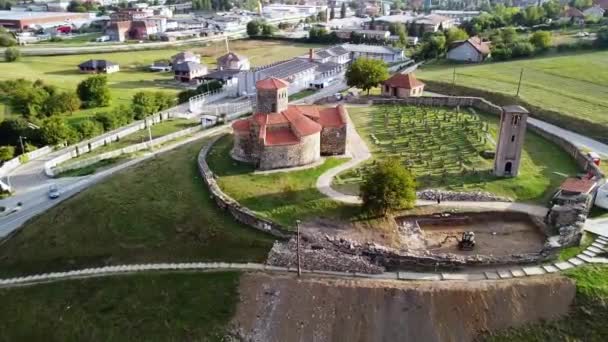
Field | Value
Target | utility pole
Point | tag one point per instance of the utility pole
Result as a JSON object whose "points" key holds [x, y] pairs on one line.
{"points": [[150, 132], [453, 81], [227, 47], [21, 142], [521, 74], [298, 247]]}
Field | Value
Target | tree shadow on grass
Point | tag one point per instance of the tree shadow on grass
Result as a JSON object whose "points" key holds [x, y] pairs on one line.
{"points": [[67, 72]]}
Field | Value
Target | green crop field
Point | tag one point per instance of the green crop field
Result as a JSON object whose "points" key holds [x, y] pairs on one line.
{"points": [[575, 85], [282, 197], [443, 149], [156, 211], [133, 77]]}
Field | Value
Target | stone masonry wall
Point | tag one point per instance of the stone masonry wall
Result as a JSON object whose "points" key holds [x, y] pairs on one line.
{"points": [[280, 156], [333, 141], [227, 203]]}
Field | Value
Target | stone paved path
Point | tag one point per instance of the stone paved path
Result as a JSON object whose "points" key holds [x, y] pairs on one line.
{"points": [[591, 255]]}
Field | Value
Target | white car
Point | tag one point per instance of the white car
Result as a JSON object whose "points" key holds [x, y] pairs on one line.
{"points": [[54, 192]]}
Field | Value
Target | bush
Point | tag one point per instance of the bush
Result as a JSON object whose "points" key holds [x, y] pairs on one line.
{"points": [[6, 40], [55, 131], [12, 54], [89, 128], [6, 153], [94, 91], [522, 49], [541, 40]]}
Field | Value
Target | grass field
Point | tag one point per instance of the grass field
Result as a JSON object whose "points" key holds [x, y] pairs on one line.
{"points": [[442, 148], [158, 130], [158, 211], [62, 71], [574, 84], [282, 197], [149, 307], [586, 321]]}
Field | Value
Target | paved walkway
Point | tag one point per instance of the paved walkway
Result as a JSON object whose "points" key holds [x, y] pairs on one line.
{"points": [[588, 256]]}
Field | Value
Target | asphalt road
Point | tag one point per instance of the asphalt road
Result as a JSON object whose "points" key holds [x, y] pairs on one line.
{"points": [[32, 185]]}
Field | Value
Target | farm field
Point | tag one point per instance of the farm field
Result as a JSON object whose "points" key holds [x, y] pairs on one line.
{"points": [[133, 77], [282, 197], [574, 84], [156, 211], [443, 149]]}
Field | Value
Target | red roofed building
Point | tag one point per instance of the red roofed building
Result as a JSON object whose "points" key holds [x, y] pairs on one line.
{"points": [[402, 86], [280, 135]]}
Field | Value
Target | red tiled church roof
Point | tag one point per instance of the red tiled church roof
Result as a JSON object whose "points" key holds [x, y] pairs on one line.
{"points": [[300, 121], [405, 81], [271, 83], [576, 185]]}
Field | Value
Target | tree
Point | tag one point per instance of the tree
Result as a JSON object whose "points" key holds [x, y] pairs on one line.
{"points": [[343, 11], [552, 9], [55, 131], [322, 16], [76, 6], [12, 54], [581, 4], [6, 153], [253, 28], [144, 104], [94, 91], [455, 34], [541, 40], [88, 129], [7, 40], [332, 13], [602, 37], [389, 186], [366, 73], [508, 35], [268, 30]]}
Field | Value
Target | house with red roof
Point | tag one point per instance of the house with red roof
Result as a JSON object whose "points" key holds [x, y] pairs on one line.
{"points": [[280, 135], [402, 86], [472, 50]]}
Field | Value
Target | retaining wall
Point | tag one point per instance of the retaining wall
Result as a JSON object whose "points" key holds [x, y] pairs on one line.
{"points": [[104, 139], [129, 149], [14, 163], [225, 202], [486, 106]]}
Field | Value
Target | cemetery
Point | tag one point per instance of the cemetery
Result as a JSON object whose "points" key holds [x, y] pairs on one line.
{"points": [[454, 149]]}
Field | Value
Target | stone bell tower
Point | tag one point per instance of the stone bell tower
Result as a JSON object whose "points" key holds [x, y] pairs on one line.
{"points": [[511, 136], [272, 95]]}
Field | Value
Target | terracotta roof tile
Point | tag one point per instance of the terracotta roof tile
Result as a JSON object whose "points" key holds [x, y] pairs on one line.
{"points": [[241, 125], [280, 136], [406, 81], [578, 185], [301, 125], [271, 83]]}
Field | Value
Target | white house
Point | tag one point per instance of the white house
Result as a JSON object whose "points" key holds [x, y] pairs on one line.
{"points": [[594, 12], [472, 50]]}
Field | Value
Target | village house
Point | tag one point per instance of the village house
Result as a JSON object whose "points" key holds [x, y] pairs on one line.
{"points": [[472, 50], [595, 12], [232, 61], [185, 56], [189, 71], [98, 66], [402, 86], [572, 15]]}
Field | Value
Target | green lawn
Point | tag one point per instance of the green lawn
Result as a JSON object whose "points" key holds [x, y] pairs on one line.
{"points": [[147, 307], [586, 321], [282, 197], [443, 151], [62, 71], [574, 84], [157, 211]]}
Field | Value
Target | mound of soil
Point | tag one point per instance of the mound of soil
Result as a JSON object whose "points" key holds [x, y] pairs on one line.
{"points": [[285, 308]]}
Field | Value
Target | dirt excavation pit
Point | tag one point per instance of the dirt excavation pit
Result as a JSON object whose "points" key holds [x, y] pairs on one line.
{"points": [[496, 233], [285, 308]]}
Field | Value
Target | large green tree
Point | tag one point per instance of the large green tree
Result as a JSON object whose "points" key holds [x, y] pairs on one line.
{"points": [[388, 186], [94, 91], [365, 73], [253, 28], [12, 54], [455, 34], [55, 131], [343, 11], [6, 153]]}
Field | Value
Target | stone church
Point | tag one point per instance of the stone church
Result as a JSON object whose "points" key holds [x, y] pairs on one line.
{"points": [[280, 135]]}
